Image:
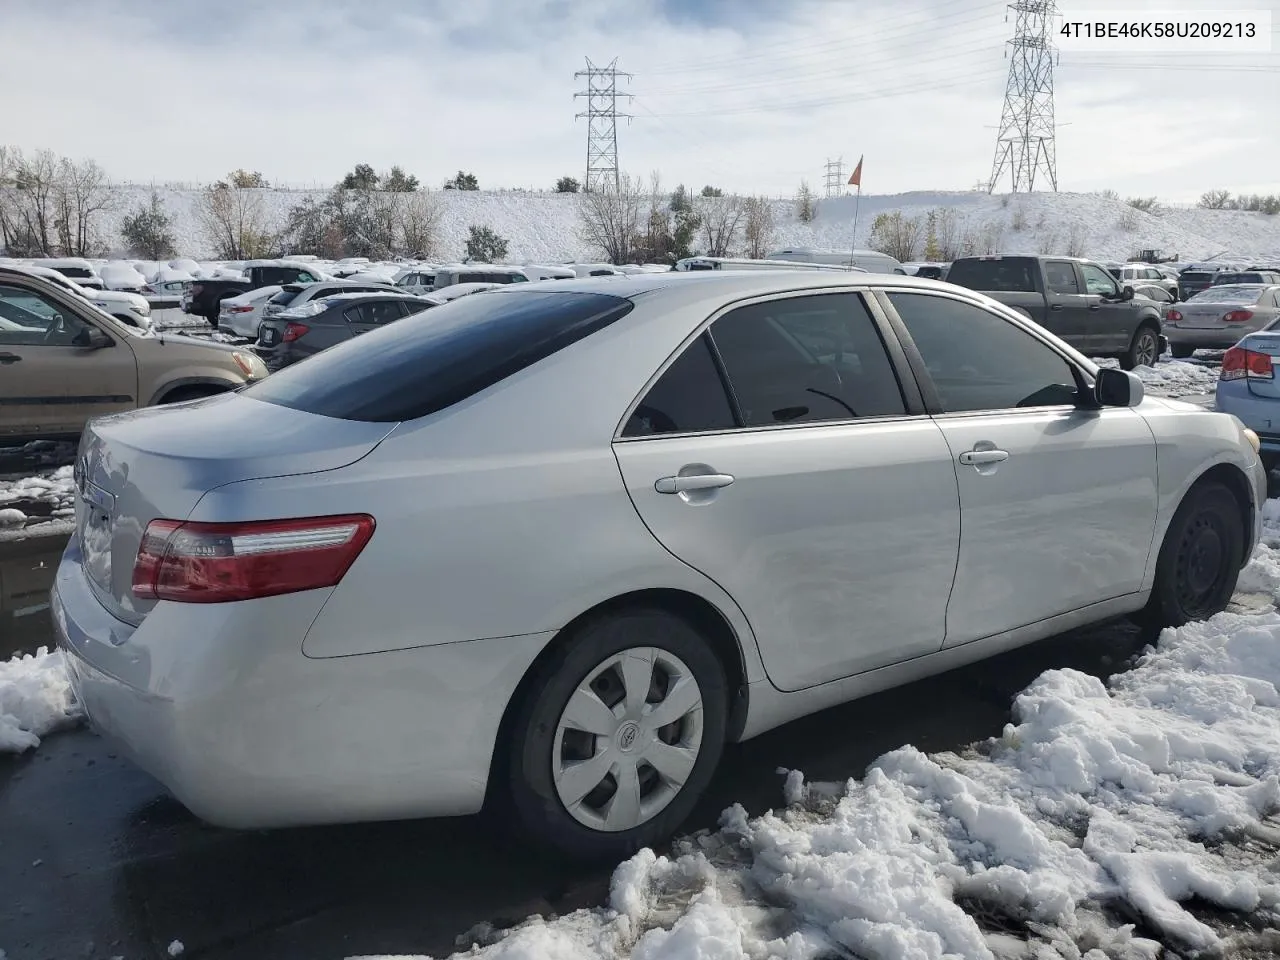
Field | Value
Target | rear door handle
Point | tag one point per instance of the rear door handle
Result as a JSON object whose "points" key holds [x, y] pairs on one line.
{"points": [[1055, 306], [976, 458], [1095, 306], [700, 481], [9, 358]]}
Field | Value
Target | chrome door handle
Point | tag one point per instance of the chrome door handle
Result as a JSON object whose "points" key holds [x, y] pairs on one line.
{"points": [[699, 481], [976, 458]]}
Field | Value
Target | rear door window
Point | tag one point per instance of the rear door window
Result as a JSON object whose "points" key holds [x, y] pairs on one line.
{"points": [[432, 360], [1000, 275]]}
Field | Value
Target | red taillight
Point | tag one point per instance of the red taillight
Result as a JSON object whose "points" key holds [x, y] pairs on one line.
{"points": [[292, 331], [218, 562], [239, 309], [1173, 315], [1238, 316], [1239, 362]]}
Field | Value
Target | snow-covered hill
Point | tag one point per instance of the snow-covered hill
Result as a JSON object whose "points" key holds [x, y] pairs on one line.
{"points": [[545, 226]]}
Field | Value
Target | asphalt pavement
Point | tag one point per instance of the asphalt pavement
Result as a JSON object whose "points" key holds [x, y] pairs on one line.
{"points": [[97, 861]]}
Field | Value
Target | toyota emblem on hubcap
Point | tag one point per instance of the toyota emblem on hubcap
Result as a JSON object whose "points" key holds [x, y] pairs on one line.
{"points": [[627, 734]]}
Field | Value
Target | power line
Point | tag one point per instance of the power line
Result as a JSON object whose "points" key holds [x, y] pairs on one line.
{"points": [[601, 94], [1025, 144]]}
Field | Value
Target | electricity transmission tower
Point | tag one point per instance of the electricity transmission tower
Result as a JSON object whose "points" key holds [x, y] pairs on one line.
{"points": [[602, 115], [1025, 144], [835, 177]]}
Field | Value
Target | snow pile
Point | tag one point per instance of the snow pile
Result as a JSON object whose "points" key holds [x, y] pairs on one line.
{"points": [[1102, 818], [545, 227], [56, 490], [35, 699]]}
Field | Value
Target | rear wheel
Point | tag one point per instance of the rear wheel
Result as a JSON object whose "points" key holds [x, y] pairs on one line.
{"points": [[1181, 350], [1143, 350], [1200, 558], [618, 737]]}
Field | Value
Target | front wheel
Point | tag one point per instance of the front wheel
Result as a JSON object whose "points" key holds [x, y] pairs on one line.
{"points": [[1200, 558], [1143, 350], [618, 737]]}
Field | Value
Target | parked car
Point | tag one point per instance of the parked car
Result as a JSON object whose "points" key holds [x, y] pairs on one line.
{"points": [[241, 315], [478, 273], [293, 295], [75, 268], [870, 260], [1161, 298], [118, 275], [456, 290], [1248, 390], [1217, 317], [551, 548], [163, 294], [1194, 279], [205, 297], [416, 280], [128, 308], [64, 361], [1077, 300], [1141, 274], [299, 332], [1246, 276]]}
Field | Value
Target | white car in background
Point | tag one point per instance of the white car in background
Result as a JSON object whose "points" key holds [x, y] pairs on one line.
{"points": [[456, 290], [1146, 275], [242, 315], [123, 276], [128, 308]]}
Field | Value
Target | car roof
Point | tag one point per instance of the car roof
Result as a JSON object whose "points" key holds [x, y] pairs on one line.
{"points": [[370, 294], [728, 283]]}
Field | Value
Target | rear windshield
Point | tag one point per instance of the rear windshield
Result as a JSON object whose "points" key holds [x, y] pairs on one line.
{"points": [[284, 297], [1195, 276], [1239, 278], [1227, 295], [430, 361], [75, 273], [1005, 275]]}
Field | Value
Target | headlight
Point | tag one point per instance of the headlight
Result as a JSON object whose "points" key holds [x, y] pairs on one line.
{"points": [[1253, 440], [141, 309]]}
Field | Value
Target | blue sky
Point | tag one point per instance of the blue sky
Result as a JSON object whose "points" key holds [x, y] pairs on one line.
{"points": [[752, 95]]}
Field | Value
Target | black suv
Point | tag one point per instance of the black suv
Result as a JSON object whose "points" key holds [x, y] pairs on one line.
{"points": [[297, 333]]}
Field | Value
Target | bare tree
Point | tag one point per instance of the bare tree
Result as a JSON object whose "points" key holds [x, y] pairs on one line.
{"points": [[80, 196], [419, 220], [1215, 200], [235, 221], [947, 228], [757, 232], [721, 222], [609, 220], [896, 235], [35, 184]]}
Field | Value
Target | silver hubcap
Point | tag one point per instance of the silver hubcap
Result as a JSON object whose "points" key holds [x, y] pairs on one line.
{"points": [[628, 739]]}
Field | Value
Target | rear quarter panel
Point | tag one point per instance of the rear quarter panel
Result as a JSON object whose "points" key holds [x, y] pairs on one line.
{"points": [[1190, 441]]}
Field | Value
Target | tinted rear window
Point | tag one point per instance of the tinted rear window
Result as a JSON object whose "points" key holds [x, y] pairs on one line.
{"points": [[284, 297], [1006, 275], [75, 273], [1239, 278], [1196, 276], [432, 360]]}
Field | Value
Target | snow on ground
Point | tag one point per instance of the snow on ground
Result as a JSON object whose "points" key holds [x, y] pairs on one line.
{"points": [[1104, 821], [545, 226], [52, 494], [1173, 378], [35, 699]]}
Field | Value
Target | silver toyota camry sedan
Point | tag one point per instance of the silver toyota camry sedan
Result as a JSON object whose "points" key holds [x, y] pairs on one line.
{"points": [[544, 551]]}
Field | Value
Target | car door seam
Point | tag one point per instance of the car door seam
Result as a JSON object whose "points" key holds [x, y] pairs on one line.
{"points": [[955, 572]]}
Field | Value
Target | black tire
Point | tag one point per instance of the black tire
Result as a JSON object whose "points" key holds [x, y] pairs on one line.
{"points": [[1200, 558], [528, 792], [183, 394], [1145, 344], [1181, 350]]}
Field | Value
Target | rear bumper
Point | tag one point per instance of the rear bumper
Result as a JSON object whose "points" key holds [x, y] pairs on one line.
{"points": [[1207, 337], [218, 702], [1259, 414]]}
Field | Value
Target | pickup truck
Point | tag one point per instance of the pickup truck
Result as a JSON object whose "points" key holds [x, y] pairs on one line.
{"points": [[204, 298], [1077, 300]]}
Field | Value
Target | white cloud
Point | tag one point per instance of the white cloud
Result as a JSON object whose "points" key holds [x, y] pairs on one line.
{"points": [[750, 96]]}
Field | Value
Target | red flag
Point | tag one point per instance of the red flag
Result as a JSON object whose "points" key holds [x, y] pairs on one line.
{"points": [[856, 179]]}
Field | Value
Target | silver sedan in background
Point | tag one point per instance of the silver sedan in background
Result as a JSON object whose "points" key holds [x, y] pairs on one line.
{"points": [[1217, 318], [547, 550]]}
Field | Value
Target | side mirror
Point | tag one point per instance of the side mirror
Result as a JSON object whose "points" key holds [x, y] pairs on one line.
{"points": [[1126, 294], [1118, 388], [91, 338]]}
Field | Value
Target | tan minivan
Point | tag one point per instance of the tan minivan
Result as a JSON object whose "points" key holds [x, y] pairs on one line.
{"points": [[64, 361]]}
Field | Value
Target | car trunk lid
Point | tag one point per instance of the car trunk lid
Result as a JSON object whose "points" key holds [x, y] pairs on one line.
{"points": [[158, 463]]}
